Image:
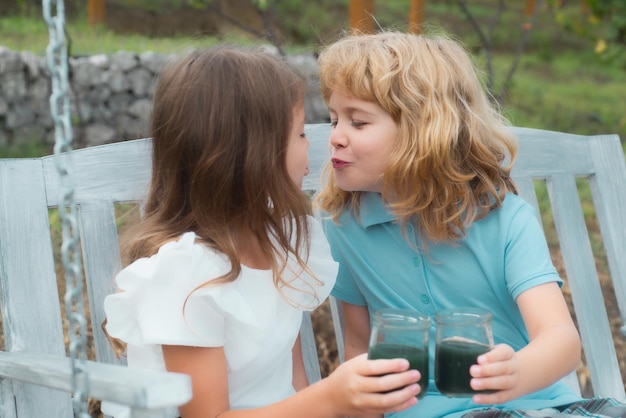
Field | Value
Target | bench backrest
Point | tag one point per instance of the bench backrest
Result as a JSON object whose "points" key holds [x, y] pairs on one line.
{"points": [[560, 159], [107, 175], [32, 318]]}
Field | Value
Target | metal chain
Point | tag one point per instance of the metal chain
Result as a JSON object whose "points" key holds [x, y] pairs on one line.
{"points": [[56, 55]]}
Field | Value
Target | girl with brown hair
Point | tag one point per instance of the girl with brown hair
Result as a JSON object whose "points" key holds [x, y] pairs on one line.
{"points": [[226, 256]]}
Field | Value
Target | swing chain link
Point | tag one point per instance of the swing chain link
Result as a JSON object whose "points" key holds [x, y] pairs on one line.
{"points": [[56, 55]]}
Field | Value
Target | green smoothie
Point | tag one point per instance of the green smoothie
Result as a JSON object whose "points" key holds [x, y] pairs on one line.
{"points": [[453, 359], [417, 357]]}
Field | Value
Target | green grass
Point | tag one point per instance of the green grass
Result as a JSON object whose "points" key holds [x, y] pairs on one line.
{"points": [[30, 33], [570, 94], [559, 85], [28, 150]]}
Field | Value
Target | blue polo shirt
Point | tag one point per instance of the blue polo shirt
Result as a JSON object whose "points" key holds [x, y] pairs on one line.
{"points": [[501, 256]]}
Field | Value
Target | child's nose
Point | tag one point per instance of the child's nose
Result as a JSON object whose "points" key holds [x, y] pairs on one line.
{"points": [[338, 138]]}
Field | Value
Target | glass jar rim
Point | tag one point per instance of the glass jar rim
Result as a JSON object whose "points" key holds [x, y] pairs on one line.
{"points": [[465, 315], [394, 315]]}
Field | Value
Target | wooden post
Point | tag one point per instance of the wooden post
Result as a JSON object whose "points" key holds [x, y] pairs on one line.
{"points": [[96, 10], [529, 11], [584, 6], [530, 8], [362, 16], [416, 16]]}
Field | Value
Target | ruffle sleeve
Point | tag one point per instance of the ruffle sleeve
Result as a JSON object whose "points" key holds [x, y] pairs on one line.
{"points": [[154, 306], [168, 298], [308, 289]]}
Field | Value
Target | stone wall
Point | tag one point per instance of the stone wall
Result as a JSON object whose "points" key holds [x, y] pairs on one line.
{"points": [[111, 96]]}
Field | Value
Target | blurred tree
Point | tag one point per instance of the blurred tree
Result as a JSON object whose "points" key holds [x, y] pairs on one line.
{"points": [[254, 17], [416, 15], [602, 21], [362, 16], [266, 10], [485, 34], [96, 12]]}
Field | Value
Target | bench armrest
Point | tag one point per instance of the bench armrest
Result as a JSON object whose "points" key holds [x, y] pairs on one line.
{"points": [[142, 389]]}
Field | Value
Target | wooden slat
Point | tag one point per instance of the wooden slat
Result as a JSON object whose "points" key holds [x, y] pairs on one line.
{"points": [[526, 189], [25, 215], [33, 400], [309, 349], [101, 255], [7, 399], [584, 283], [319, 153], [115, 172], [31, 314], [608, 157], [543, 153], [338, 325], [138, 388]]}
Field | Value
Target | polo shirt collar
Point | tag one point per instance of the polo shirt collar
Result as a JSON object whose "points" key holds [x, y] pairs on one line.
{"points": [[373, 210]]}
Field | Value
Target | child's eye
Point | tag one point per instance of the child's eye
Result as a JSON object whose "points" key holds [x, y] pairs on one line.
{"points": [[303, 135], [333, 123], [358, 124]]}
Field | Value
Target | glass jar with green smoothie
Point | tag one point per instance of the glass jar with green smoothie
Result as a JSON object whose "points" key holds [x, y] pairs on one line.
{"points": [[462, 334], [401, 333]]}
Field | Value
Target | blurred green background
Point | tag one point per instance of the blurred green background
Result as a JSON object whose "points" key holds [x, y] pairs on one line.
{"points": [[570, 76]]}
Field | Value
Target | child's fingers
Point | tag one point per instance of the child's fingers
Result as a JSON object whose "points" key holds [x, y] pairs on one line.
{"points": [[500, 352], [391, 382], [407, 399], [396, 400], [384, 366], [500, 382]]}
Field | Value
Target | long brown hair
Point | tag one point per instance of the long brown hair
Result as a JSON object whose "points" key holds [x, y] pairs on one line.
{"points": [[220, 127], [449, 165]]}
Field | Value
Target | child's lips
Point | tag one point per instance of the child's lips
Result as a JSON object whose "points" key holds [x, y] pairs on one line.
{"points": [[337, 163]]}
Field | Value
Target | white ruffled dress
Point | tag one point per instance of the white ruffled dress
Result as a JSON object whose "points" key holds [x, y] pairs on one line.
{"points": [[249, 317]]}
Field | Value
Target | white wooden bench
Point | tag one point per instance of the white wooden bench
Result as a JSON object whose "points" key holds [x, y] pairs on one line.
{"points": [[34, 371]]}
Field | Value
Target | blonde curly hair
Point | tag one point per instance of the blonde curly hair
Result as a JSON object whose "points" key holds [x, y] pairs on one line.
{"points": [[454, 152]]}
